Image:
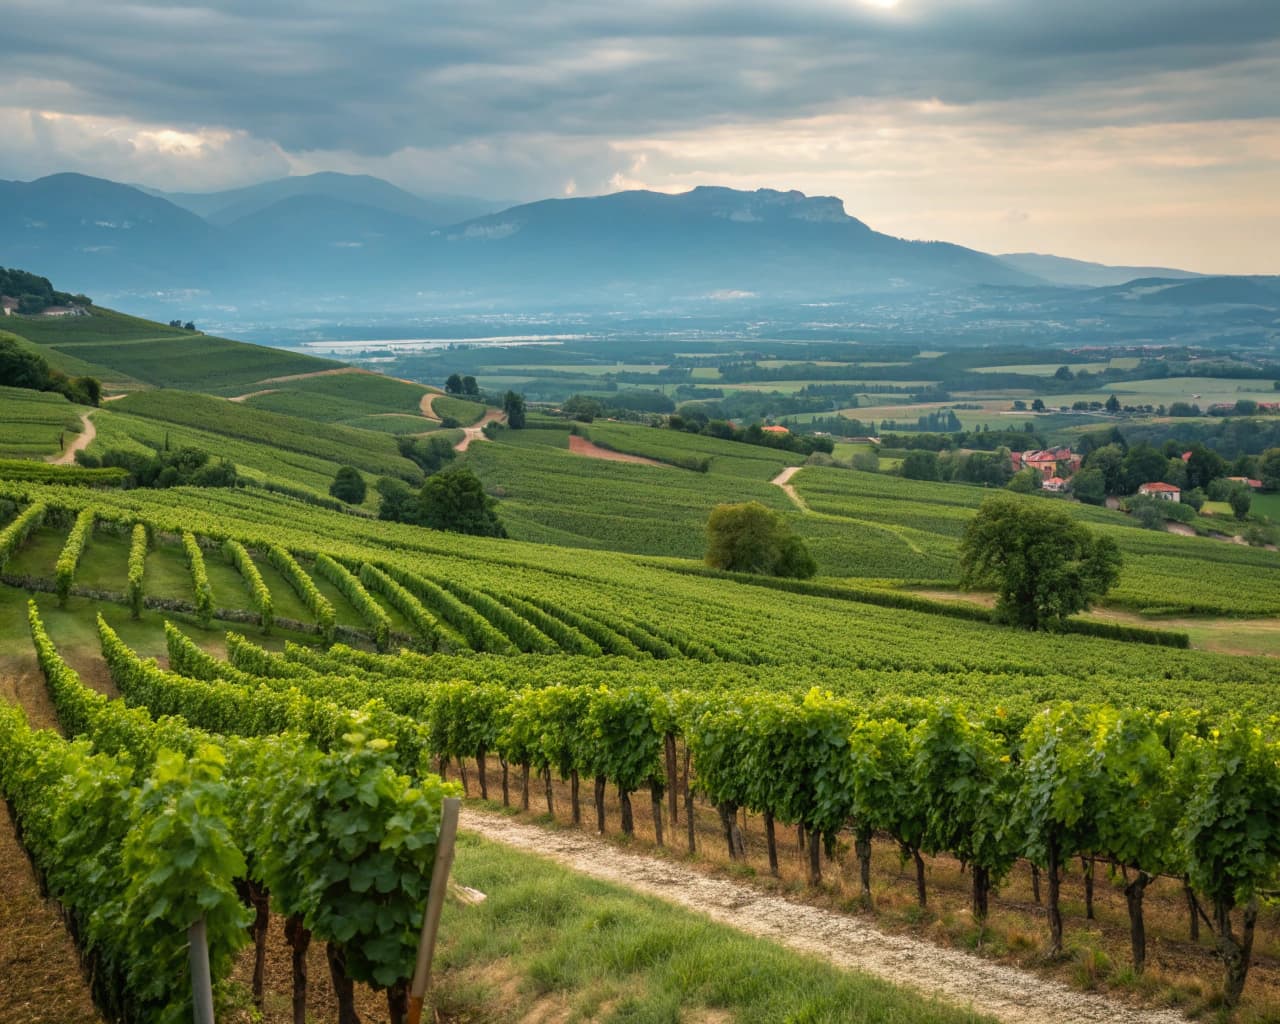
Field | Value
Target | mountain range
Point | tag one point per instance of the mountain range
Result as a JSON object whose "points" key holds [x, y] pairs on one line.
{"points": [[337, 241]]}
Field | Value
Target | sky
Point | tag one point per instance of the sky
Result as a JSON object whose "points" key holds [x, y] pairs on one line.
{"points": [[1141, 132]]}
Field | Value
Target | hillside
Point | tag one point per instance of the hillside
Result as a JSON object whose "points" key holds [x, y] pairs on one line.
{"points": [[127, 351], [333, 238], [228, 206]]}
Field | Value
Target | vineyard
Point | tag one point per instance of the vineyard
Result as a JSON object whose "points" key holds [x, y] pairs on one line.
{"points": [[631, 695], [858, 524]]}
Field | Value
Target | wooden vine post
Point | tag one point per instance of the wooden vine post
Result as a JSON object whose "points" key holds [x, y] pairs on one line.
{"points": [[435, 903], [201, 983]]}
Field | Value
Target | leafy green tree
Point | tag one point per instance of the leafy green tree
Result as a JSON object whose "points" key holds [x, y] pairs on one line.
{"points": [[1241, 498], [1112, 404], [582, 408], [1090, 486], [1143, 464], [399, 503], [348, 485], [1044, 564], [751, 538], [470, 387], [1025, 481], [1109, 461], [1269, 469], [513, 406], [1204, 465], [1037, 405], [453, 385], [920, 465], [454, 500]]}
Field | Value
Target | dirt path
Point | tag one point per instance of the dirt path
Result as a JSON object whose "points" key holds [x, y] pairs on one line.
{"points": [[85, 438], [425, 406], [254, 394], [476, 433], [848, 942], [783, 480], [581, 446], [314, 373]]}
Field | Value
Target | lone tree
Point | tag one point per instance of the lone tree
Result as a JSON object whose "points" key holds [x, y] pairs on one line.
{"points": [[453, 385], [1045, 565], [752, 538], [348, 486], [454, 500], [513, 406]]}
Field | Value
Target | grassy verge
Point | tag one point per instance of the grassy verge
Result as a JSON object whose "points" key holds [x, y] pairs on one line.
{"points": [[551, 945]]}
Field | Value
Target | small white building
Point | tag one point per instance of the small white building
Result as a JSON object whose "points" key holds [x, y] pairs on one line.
{"points": [[1163, 491]]}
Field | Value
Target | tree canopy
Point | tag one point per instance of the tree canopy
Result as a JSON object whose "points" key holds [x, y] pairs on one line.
{"points": [[348, 486], [751, 538], [1044, 564], [513, 406], [454, 500]]}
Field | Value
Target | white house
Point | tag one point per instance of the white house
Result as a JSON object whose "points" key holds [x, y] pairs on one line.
{"points": [[1165, 492]]}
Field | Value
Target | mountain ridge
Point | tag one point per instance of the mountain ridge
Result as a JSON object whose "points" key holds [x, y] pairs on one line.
{"points": [[338, 239]]}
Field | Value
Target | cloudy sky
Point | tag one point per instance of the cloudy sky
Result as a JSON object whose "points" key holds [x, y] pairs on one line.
{"points": [[1129, 131]]}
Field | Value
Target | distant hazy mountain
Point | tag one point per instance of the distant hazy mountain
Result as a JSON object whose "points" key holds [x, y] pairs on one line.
{"points": [[706, 242], [1064, 271], [1202, 291], [99, 234], [337, 241], [222, 208]]}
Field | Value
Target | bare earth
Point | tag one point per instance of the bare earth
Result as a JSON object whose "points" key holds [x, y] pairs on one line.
{"points": [[847, 942], [425, 406], [581, 446], [783, 480], [82, 441], [476, 433], [254, 394]]}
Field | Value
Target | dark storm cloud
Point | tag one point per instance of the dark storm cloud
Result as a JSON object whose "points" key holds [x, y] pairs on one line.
{"points": [[375, 78]]}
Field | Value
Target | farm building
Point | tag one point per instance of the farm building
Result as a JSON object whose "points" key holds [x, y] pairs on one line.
{"points": [[1163, 491], [1046, 462], [1054, 484], [774, 429], [1255, 484]]}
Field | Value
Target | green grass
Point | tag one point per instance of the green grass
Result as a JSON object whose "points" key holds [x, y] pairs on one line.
{"points": [[466, 413], [260, 461], [1266, 505], [32, 422], [551, 945], [1167, 390], [167, 574], [105, 561], [344, 614], [285, 602], [39, 554], [120, 346]]}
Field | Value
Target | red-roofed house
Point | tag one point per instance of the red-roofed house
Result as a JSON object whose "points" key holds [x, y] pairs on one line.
{"points": [[1055, 485], [1163, 491], [1255, 484], [775, 430], [1046, 462]]}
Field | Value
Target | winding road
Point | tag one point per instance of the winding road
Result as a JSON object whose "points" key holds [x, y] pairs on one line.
{"points": [[85, 438]]}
